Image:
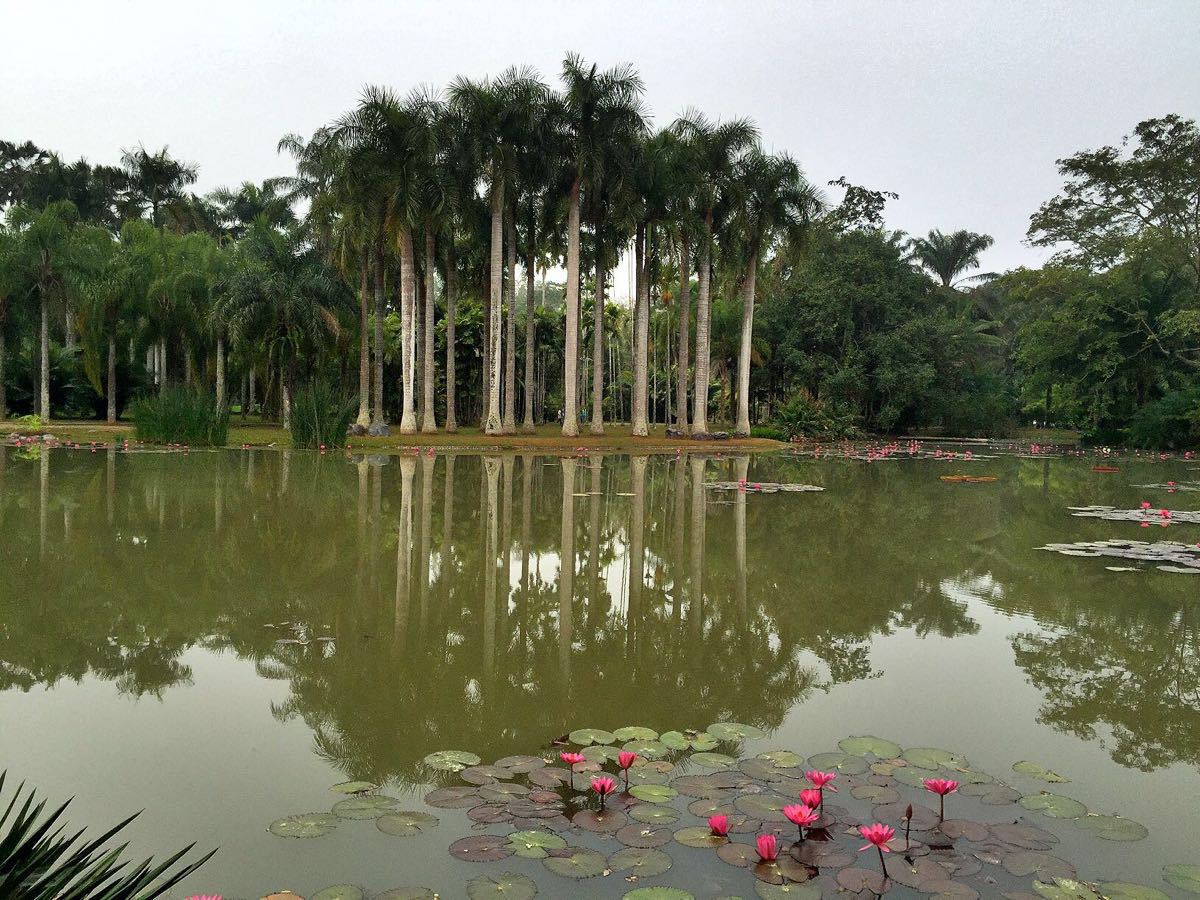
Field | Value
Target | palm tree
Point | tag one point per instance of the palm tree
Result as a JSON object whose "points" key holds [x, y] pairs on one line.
{"points": [[712, 150], [154, 179], [597, 105], [238, 209], [770, 203], [949, 255], [12, 285], [111, 295]]}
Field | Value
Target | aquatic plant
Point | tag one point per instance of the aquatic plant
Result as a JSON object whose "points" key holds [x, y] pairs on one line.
{"points": [[821, 780], [941, 787], [719, 825], [801, 816], [767, 847], [180, 415], [603, 787], [877, 836], [625, 759]]}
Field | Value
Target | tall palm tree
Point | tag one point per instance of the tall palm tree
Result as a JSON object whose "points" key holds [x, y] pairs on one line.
{"points": [[154, 179], [949, 255], [712, 150], [597, 105], [770, 205]]}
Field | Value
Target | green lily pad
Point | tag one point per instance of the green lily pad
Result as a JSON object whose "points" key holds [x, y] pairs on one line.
{"points": [[635, 733], [713, 760], [699, 836], [340, 892], [1184, 876], [644, 863], [647, 775], [481, 848], [635, 834], [1064, 889], [1123, 890], [585, 736], [841, 762], [863, 744], [1046, 867], [654, 793], [994, 794], [509, 886], [368, 806], [789, 891], [451, 760], [1055, 806], [407, 893], [659, 893], [600, 753], [875, 793], [654, 814], [534, 844], [768, 807], [1113, 828], [305, 825], [1033, 770], [677, 740], [353, 787], [647, 748], [735, 731], [933, 758], [783, 758], [406, 823], [578, 863]]}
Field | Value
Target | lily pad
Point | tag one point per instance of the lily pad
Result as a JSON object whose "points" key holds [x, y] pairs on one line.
{"points": [[841, 762], [406, 823], [340, 892], [1113, 828], [407, 893], [1184, 876], [481, 848], [353, 787], [1029, 837], [783, 758], [654, 814], [700, 786], [768, 807], [994, 794], [638, 834], [678, 741], [605, 821], [305, 825], [659, 893], [1043, 865], [520, 765], [635, 733], [654, 793], [740, 855], [699, 836], [451, 760], [1124, 890], [735, 731], [457, 797], [1055, 806], [647, 748], [368, 806], [509, 886], [585, 736], [1064, 889], [789, 891], [1033, 770], [577, 862], [534, 844], [865, 744], [875, 793], [933, 758], [713, 760], [643, 863], [600, 754]]}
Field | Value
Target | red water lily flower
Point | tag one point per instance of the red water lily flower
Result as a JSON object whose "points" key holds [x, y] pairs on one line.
{"points": [[768, 847], [718, 825], [877, 836]]}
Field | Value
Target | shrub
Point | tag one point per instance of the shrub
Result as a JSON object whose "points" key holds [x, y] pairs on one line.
{"points": [[320, 416], [804, 416], [180, 415], [770, 432], [1168, 424]]}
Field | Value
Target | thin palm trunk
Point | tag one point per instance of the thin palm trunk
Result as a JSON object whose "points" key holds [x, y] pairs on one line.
{"points": [[408, 303], [597, 426], [451, 311], [364, 342], [3, 386], [685, 312], [571, 351], [700, 397], [429, 422], [493, 424], [566, 573], [743, 413], [641, 327], [221, 398], [44, 366], [380, 287], [111, 384], [162, 363], [527, 425], [510, 331], [285, 398]]}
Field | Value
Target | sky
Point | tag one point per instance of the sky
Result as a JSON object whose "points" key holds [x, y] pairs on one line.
{"points": [[961, 107]]}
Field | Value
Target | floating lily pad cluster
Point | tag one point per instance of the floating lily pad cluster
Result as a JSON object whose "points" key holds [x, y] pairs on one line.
{"points": [[1172, 486], [1168, 556], [695, 804], [1144, 515], [762, 487]]}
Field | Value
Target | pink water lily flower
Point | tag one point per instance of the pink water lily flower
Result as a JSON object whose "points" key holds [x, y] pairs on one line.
{"points": [[877, 836], [625, 759], [1145, 504], [810, 797], [801, 816], [941, 787], [603, 787], [718, 825], [571, 759], [767, 847], [820, 779]]}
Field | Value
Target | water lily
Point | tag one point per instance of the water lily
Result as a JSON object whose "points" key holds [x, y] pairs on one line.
{"points": [[1145, 504], [821, 780], [810, 797], [877, 836], [718, 825], [801, 816], [603, 787], [941, 787], [571, 759], [625, 759], [767, 847]]}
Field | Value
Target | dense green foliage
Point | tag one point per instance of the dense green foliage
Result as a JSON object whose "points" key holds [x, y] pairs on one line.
{"points": [[181, 415], [41, 860], [320, 417]]}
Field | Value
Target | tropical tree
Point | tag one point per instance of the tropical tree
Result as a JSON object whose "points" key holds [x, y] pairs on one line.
{"points": [[947, 256], [154, 179]]}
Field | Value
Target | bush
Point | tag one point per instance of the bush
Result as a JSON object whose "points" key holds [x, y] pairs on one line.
{"points": [[1171, 423], [770, 432], [180, 415], [804, 416], [321, 416]]}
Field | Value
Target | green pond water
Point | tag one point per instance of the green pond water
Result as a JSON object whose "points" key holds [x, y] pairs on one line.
{"points": [[491, 604]]}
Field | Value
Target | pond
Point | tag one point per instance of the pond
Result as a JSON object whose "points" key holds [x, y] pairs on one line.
{"points": [[219, 637]]}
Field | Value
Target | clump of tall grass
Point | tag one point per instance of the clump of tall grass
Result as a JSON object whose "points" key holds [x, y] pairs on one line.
{"points": [[181, 415], [320, 416]]}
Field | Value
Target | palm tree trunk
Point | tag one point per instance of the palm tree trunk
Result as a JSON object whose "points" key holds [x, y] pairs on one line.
{"points": [[685, 313], [641, 325], [418, 351], [743, 414], [451, 311], [429, 422], [44, 366], [571, 350], [527, 424], [566, 572], [493, 423], [364, 342], [510, 333], [380, 287], [3, 387], [700, 398], [597, 426], [162, 363], [221, 399], [252, 385], [285, 398], [408, 302], [111, 384]]}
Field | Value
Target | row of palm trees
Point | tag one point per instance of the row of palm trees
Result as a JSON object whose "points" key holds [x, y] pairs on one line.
{"points": [[569, 176]]}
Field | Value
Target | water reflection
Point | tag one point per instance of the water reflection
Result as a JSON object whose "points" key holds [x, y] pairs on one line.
{"points": [[415, 603]]}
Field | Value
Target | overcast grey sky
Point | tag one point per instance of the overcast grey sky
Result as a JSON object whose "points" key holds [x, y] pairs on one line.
{"points": [[961, 107]]}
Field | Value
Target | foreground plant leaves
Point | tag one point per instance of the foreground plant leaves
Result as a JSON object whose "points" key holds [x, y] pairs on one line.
{"points": [[406, 823], [575, 862], [305, 825], [508, 886], [1033, 770], [451, 760], [1054, 805], [869, 744], [1113, 828]]}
